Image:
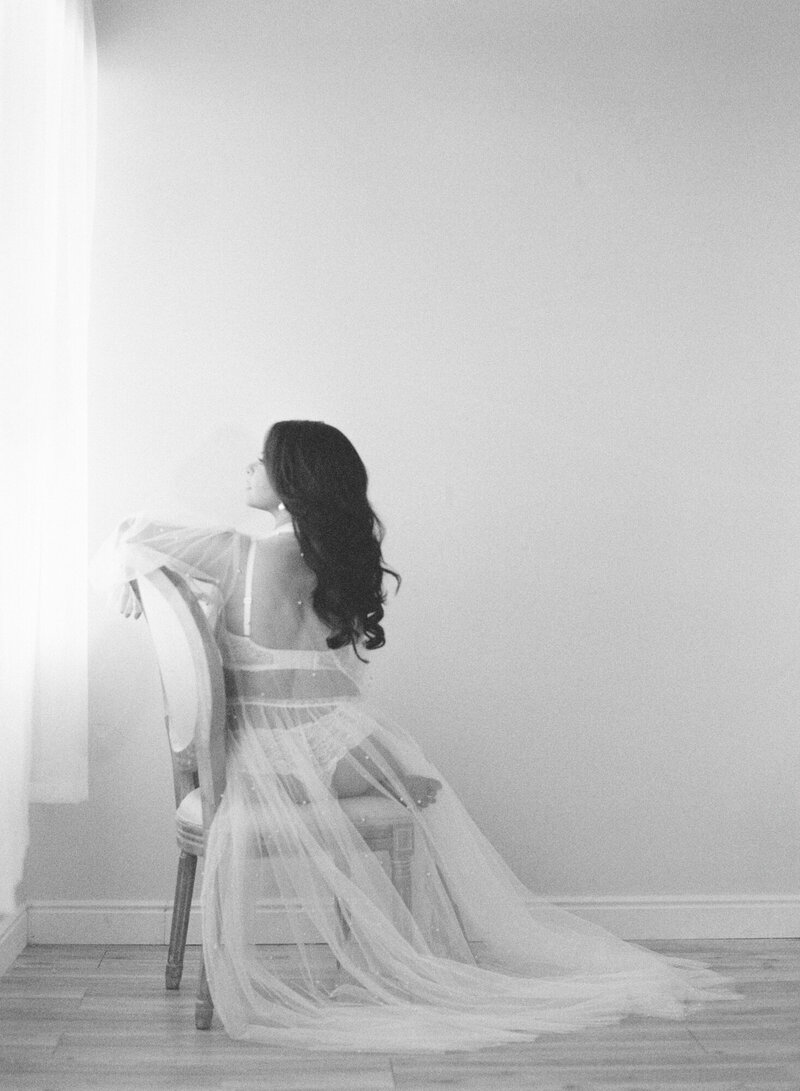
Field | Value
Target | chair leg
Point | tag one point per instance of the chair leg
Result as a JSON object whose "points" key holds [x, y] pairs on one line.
{"points": [[204, 1007], [343, 921], [344, 925], [184, 886], [401, 855], [452, 900]]}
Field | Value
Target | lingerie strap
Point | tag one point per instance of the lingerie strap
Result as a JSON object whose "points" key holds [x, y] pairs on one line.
{"points": [[247, 601]]}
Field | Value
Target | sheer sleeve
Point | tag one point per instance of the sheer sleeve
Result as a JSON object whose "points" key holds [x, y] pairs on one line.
{"points": [[140, 545]]}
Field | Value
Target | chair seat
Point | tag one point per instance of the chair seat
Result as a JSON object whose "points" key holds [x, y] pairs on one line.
{"points": [[370, 814], [189, 823]]}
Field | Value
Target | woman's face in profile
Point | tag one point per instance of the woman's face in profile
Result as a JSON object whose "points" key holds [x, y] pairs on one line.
{"points": [[259, 492]]}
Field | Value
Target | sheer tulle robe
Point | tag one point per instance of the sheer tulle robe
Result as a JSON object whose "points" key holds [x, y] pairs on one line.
{"points": [[478, 960]]}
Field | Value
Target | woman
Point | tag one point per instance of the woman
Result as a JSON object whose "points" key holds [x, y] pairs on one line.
{"points": [[477, 961]]}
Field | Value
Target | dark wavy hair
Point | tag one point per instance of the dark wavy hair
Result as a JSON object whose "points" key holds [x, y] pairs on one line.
{"points": [[321, 479]]}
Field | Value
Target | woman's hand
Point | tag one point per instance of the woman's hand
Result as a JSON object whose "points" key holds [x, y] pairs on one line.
{"points": [[129, 603], [422, 791]]}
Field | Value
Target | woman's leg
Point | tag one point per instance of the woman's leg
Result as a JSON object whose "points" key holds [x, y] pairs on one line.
{"points": [[349, 781], [360, 773]]}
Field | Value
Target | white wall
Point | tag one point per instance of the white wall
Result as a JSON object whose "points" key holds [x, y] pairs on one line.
{"points": [[540, 261]]}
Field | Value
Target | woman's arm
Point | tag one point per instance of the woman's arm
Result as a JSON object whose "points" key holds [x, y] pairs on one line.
{"points": [[141, 545]]}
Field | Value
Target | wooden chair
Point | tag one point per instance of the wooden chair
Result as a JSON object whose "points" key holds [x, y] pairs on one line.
{"points": [[193, 689]]}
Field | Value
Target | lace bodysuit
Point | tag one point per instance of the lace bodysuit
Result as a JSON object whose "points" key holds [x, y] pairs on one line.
{"points": [[304, 693]]}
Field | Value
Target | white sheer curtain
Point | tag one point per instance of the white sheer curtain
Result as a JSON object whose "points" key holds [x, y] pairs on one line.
{"points": [[47, 124]]}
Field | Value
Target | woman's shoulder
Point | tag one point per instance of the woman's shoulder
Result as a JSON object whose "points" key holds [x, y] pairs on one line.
{"points": [[277, 553], [276, 544]]}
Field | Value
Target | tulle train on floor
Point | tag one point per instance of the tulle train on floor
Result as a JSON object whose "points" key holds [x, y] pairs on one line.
{"points": [[479, 960]]}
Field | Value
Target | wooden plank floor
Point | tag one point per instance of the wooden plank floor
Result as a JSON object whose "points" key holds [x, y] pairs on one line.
{"points": [[76, 1018]]}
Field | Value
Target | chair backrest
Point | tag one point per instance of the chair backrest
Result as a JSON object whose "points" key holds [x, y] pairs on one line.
{"points": [[192, 683]]}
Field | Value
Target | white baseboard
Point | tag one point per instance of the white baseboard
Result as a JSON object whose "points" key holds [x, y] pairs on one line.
{"points": [[631, 918], [13, 938], [720, 916]]}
